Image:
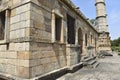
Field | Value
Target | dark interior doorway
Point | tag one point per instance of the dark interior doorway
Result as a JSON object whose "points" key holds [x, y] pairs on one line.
{"points": [[80, 39], [71, 29], [2, 25]]}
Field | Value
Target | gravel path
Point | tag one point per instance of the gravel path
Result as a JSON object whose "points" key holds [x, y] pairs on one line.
{"points": [[109, 69]]}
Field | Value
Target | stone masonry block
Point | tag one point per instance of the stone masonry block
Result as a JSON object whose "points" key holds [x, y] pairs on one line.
{"points": [[12, 62], [13, 12], [15, 19], [15, 2], [27, 32], [3, 61], [35, 62], [11, 69], [12, 46], [15, 26], [11, 55], [12, 35], [3, 54], [23, 63], [48, 53], [45, 60], [23, 8], [36, 55], [19, 46], [23, 72], [37, 17], [3, 47], [21, 33], [36, 9], [39, 25], [37, 70], [24, 55], [3, 68], [25, 16], [48, 67]]}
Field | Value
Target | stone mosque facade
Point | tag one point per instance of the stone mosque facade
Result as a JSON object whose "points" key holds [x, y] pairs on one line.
{"points": [[47, 37]]}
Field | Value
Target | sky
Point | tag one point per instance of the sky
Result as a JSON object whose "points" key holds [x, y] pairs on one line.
{"points": [[87, 7]]}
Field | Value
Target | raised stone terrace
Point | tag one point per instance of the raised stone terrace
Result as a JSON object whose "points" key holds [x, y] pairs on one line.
{"points": [[108, 69]]}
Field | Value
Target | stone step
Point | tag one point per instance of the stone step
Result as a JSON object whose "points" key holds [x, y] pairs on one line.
{"points": [[92, 62], [87, 59], [96, 65]]}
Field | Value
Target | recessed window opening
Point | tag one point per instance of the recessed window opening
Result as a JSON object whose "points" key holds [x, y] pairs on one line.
{"points": [[2, 25], [71, 29], [85, 39], [58, 24]]}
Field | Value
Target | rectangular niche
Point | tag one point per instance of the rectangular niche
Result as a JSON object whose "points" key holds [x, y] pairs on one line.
{"points": [[2, 25]]}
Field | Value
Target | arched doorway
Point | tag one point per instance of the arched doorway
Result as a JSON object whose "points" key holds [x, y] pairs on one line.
{"points": [[80, 39]]}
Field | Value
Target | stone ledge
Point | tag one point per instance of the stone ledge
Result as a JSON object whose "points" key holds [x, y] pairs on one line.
{"points": [[74, 68], [49, 76], [60, 72], [3, 77]]}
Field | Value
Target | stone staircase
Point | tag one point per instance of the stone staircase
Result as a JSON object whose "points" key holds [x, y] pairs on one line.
{"points": [[90, 62]]}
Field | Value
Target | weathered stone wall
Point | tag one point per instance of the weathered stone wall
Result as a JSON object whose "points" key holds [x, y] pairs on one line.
{"points": [[46, 57], [40, 24], [20, 23], [14, 54], [30, 50]]}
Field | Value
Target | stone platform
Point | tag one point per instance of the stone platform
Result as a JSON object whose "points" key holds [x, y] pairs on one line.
{"points": [[109, 69]]}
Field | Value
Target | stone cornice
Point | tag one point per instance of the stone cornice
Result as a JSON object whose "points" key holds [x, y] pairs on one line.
{"points": [[100, 2], [78, 12], [101, 16]]}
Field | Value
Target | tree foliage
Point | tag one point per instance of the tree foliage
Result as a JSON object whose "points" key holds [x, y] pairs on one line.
{"points": [[116, 44], [93, 22]]}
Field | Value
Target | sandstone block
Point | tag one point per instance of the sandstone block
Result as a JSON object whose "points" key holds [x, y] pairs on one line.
{"points": [[16, 2], [11, 69], [37, 70], [19, 46], [21, 33], [15, 19], [24, 55], [3, 47], [25, 16], [22, 9], [45, 60], [3, 67], [23, 72], [3, 55], [15, 26], [48, 67], [37, 17], [48, 53], [23, 63], [36, 55], [36, 9], [13, 12], [12, 62], [12, 55], [3, 61], [12, 35], [39, 25], [27, 32]]}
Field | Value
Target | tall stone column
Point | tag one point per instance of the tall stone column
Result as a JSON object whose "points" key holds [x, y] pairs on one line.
{"points": [[102, 26]]}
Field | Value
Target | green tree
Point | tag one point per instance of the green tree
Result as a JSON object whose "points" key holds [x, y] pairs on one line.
{"points": [[116, 44]]}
